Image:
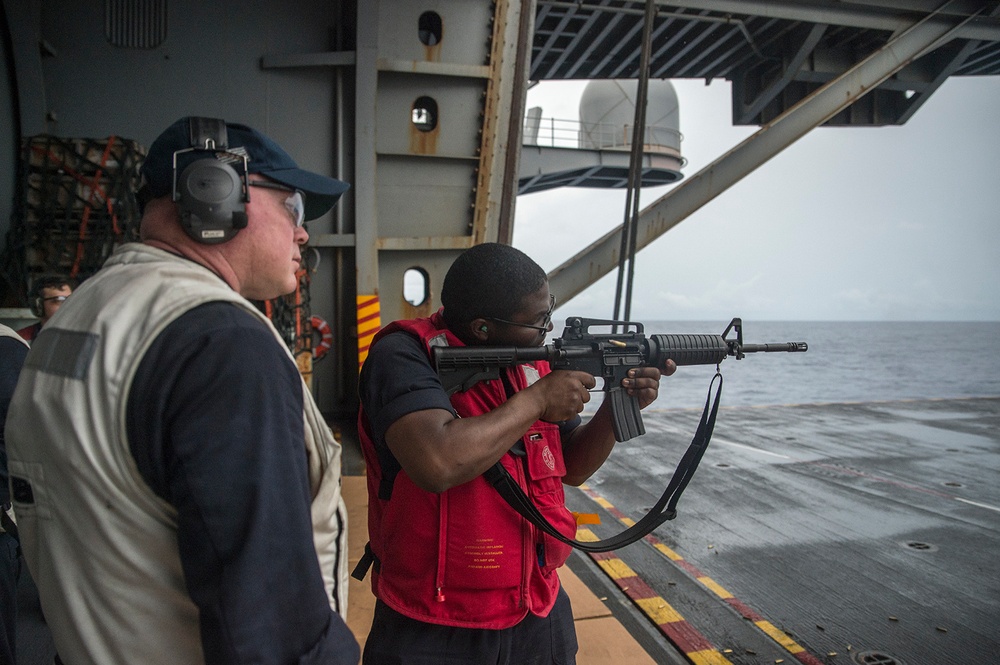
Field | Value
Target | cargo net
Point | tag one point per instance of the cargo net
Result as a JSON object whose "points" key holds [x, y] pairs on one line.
{"points": [[76, 201], [291, 316]]}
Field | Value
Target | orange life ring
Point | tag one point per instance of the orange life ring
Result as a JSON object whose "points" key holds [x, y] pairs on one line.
{"points": [[326, 337]]}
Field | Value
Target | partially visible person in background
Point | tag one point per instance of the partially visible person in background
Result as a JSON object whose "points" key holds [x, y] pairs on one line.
{"points": [[12, 352], [47, 294]]}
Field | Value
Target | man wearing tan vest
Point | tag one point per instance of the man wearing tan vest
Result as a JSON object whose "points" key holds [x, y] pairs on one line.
{"points": [[177, 491]]}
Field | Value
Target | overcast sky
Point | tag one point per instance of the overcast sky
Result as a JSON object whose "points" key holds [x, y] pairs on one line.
{"points": [[886, 223]]}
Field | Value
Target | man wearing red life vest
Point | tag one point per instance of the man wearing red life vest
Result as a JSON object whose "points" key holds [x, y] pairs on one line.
{"points": [[460, 576]]}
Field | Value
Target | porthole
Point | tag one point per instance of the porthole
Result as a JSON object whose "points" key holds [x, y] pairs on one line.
{"points": [[416, 286], [429, 28], [424, 114]]}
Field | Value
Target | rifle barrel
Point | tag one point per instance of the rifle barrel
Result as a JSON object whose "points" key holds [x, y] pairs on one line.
{"points": [[789, 347]]}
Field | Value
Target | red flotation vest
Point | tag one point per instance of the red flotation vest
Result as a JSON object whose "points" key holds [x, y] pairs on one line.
{"points": [[464, 557]]}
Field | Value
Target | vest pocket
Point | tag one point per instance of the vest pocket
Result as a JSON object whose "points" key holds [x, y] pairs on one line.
{"points": [[546, 469]]}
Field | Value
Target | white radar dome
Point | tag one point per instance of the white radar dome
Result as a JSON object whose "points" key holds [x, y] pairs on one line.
{"points": [[607, 115]]}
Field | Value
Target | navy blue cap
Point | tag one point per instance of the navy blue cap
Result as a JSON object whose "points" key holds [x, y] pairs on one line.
{"points": [[264, 156]]}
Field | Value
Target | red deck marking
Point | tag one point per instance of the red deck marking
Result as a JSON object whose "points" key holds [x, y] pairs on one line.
{"points": [[687, 637], [682, 633], [690, 568], [744, 609], [807, 658], [637, 589], [678, 630]]}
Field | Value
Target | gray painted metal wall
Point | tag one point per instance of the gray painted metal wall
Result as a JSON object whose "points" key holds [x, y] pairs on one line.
{"points": [[437, 142], [78, 84], [336, 84]]}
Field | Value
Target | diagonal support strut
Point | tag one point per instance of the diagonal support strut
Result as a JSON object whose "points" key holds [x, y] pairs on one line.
{"points": [[601, 257]]}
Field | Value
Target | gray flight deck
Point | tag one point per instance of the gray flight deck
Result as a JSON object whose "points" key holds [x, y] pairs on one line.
{"points": [[866, 532]]}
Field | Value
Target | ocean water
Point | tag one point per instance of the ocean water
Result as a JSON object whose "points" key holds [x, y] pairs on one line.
{"points": [[846, 362]]}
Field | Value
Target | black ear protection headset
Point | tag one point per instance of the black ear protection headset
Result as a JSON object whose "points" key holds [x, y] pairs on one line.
{"points": [[37, 306], [210, 195]]}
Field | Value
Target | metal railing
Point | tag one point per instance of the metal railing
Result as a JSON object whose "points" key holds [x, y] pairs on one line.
{"points": [[556, 133]]}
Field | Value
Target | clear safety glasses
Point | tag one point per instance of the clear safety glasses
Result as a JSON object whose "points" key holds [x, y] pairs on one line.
{"points": [[546, 320], [294, 204]]}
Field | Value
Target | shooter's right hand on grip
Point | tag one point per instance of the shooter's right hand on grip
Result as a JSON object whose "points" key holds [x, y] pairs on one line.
{"points": [[564, 393]]}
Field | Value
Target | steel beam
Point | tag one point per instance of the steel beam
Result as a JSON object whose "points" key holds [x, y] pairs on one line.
{"points": [[750, 111], [601, 257], [947, 70], [446, 118], [364, 185], [872, 15]]}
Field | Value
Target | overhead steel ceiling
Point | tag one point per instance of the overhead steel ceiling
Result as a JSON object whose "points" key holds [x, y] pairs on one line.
{"points": [[774, 52]]}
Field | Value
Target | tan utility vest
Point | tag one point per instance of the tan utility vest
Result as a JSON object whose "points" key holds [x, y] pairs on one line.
{"points": [[100, 544], [10, 332]]}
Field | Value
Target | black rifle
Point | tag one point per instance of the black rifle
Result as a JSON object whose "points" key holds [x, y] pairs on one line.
{"points": [[606, 356], [609, 357]]}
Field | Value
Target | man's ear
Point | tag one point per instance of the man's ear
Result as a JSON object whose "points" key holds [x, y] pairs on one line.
{"points": [[479, 329]]}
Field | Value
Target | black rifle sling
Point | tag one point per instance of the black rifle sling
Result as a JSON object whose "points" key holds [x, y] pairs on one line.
{"points": [[664, 509], [8, 524]]}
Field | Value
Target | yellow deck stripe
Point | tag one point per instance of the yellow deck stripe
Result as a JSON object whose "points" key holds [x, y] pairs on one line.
{"points": [[670, 554], [708, 657], [616, 568], [659, 610], [779, 636], [656, 608], [714, 586]]}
